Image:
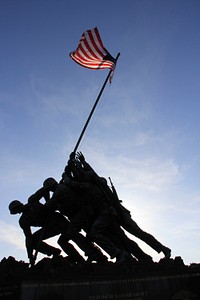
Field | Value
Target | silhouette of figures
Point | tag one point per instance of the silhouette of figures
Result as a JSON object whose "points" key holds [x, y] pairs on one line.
{"points": [[78, 169], [51, 223], [35, 214], [82, 201], [70, 204], [81, 215]]}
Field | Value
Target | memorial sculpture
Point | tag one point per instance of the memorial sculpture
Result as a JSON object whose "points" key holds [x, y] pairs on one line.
{"points": [[81, 200]]}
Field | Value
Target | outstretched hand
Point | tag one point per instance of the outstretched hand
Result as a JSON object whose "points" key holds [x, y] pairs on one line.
{"points": [[80, 156]]}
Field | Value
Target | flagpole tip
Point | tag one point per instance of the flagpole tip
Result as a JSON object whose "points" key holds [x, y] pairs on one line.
{"points": [[117, 55]]}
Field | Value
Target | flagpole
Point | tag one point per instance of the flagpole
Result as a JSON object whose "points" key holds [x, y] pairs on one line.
{"points": [[95, 104]]}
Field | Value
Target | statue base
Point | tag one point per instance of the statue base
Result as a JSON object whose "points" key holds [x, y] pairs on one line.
{"points": [[57, 279]]}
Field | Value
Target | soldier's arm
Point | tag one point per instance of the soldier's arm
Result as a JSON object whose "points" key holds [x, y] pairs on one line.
{"points": [[52, 203], [38, 195]]}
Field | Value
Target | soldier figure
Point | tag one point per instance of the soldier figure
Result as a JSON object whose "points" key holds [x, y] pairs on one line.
{"points": [[52, 224], [82, 170]]}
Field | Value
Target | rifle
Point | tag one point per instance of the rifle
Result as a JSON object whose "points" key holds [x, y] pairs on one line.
{"points": [[114, 190], [122, 208]]}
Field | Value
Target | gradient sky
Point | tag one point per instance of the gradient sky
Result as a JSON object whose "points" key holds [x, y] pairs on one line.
{"points": [[145, 131]]}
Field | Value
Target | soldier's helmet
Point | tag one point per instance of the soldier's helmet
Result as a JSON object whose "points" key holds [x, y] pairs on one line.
{"points": [[15, 207], [49, 182]]}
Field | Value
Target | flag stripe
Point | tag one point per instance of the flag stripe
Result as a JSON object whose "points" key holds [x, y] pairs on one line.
{"points": [[94, 65], [96, 44], [90, 49], [91, 53], [92, 46], [98, 38], [84, 59]]}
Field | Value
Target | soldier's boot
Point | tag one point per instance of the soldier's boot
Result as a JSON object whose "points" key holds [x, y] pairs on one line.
{"points": [[96, 256], [167, 252], [122, 257]]}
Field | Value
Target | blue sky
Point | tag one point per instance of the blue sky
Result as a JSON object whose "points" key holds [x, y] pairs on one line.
{"points": [[145, 131]]}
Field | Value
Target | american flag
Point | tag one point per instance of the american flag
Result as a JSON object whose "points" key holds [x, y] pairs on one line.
{"points": [[91, 52]]}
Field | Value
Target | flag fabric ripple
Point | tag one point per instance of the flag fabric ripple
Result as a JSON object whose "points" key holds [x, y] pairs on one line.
{"points": [[91, 52]]}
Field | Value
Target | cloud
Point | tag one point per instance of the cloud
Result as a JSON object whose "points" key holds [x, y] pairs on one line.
{"points": [[150, 174], [11, 235]]}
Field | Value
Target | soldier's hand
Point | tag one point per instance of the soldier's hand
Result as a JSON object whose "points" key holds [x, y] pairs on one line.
{"points": [[80, 156], [72, 155]]}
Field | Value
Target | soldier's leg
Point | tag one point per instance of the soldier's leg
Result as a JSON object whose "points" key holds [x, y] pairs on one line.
{"points": [[97, 235], [132, 227], [59, 225], [55, 225], [118, 236], [70, 250], [43, 247], [72, 232]]}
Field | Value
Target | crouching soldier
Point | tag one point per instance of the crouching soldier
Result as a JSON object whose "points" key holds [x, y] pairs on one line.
{"points": [[51, 223]]}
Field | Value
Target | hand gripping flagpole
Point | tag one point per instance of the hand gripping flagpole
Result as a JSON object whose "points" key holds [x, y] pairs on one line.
{"points": [[94, 106]]}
